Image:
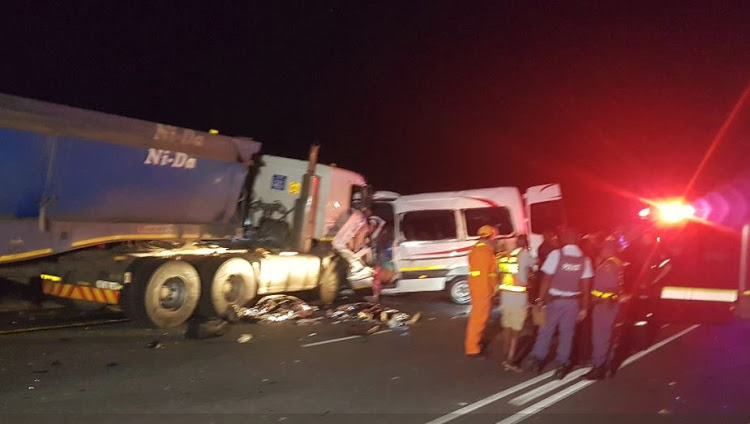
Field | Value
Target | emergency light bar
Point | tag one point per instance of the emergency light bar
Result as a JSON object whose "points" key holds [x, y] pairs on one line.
{"points": [[671, 212]]}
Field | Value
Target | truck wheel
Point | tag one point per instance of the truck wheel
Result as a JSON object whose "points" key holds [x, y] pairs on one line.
{"points": [[164, 293], [330, 282], [458, 291], [226, 283]]}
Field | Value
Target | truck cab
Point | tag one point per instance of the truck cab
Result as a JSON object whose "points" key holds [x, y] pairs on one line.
{"points": [[431, 234]]}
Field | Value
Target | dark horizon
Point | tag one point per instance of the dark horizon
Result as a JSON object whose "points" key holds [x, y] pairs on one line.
{"points": [[422, 96]]}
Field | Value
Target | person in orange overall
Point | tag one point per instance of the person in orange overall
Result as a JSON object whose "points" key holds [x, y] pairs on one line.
{"points": [[482, 287]]}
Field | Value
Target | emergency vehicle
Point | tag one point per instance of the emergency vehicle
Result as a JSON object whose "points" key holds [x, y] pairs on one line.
{"points": [[684, 266], [428, 236]]}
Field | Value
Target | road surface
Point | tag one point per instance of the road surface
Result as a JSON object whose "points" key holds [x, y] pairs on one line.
{"points": [[320, 373]]}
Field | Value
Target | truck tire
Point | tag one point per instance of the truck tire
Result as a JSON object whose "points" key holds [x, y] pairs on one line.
{"points": [[458, 290], [163, 293], [330, 281], [226, 283]]}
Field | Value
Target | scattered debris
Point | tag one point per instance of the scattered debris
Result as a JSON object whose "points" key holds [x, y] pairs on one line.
{"points": [[39, 371], [276, 308], [395, 378], [199, 328], [36, 380], [112, 364], [244, 338], [665, 412], [672, 383], [366, 311], [312, 334], [155, 345], [463, 403], [31, 387], [297, 361], [431, 319], [282, 419]]}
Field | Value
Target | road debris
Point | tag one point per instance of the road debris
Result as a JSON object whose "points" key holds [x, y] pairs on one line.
{"points": [[665, 412], [276, 308], [395, 378], [312, 334], [112, 365], [672, 383], [463, 403], [155, 345], [244, 338], [368, 312], [40, 371]]}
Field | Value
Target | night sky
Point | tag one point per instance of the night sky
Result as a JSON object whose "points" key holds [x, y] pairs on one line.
{"points": [[602, 96]]}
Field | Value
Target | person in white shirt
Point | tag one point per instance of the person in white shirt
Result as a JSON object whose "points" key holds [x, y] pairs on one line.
{"points": [[564, 292]]}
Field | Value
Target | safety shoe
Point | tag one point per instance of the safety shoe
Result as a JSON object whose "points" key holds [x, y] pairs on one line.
{"points": [[562, 370], [596, 373]]}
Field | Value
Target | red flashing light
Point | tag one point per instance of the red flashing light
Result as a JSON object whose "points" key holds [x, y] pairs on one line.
{"points": [[675, 211]]}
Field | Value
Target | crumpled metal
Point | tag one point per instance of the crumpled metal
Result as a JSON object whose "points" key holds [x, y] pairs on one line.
{"points": [[276, 308]]}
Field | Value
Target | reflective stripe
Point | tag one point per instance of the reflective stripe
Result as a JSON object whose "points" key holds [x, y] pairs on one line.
{"points": [[699, 294], [511, 288], [603, 295], [478, 273], [423, 268]]}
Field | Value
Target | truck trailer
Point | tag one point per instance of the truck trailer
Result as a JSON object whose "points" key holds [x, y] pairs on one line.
{"points": [[161, 221]]}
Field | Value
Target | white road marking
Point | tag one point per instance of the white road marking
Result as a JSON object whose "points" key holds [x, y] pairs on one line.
{"points": [[342, 339], [488, 400], [535, 408], [543, 404], [549, 387]]}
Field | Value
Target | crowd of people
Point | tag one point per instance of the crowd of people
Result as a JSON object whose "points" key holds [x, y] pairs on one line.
{"points": [[571, 281]]}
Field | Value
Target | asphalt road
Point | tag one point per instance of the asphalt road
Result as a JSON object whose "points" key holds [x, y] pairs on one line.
{"points": [[320, 373]]}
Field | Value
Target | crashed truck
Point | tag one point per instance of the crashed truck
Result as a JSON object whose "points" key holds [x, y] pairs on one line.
{"points": [[160, 221], [428, 236]]}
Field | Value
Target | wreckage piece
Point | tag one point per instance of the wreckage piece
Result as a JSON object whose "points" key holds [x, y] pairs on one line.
{"points": [[276, 308], [367, 311]]}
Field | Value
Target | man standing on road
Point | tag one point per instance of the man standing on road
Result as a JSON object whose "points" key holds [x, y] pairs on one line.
{"points": [[514, 303], [482, 284], [566, 283], [607, 295]]}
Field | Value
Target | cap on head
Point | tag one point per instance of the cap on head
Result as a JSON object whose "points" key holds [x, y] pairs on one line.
{"points": [[487, 231]]}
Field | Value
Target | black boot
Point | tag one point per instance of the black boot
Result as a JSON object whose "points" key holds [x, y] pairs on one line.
{"points": [[562, 370], [596, 373]]}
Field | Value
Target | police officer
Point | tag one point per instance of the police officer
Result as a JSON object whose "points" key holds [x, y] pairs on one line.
{"points": [[564, 292], [607, 294], [482, 285]]}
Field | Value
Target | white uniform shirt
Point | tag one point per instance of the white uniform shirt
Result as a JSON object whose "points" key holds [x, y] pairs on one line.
{"points": [[550, 266]]}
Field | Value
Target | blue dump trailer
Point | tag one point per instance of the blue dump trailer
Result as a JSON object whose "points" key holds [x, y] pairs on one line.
{"points": [[161, 221]]}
